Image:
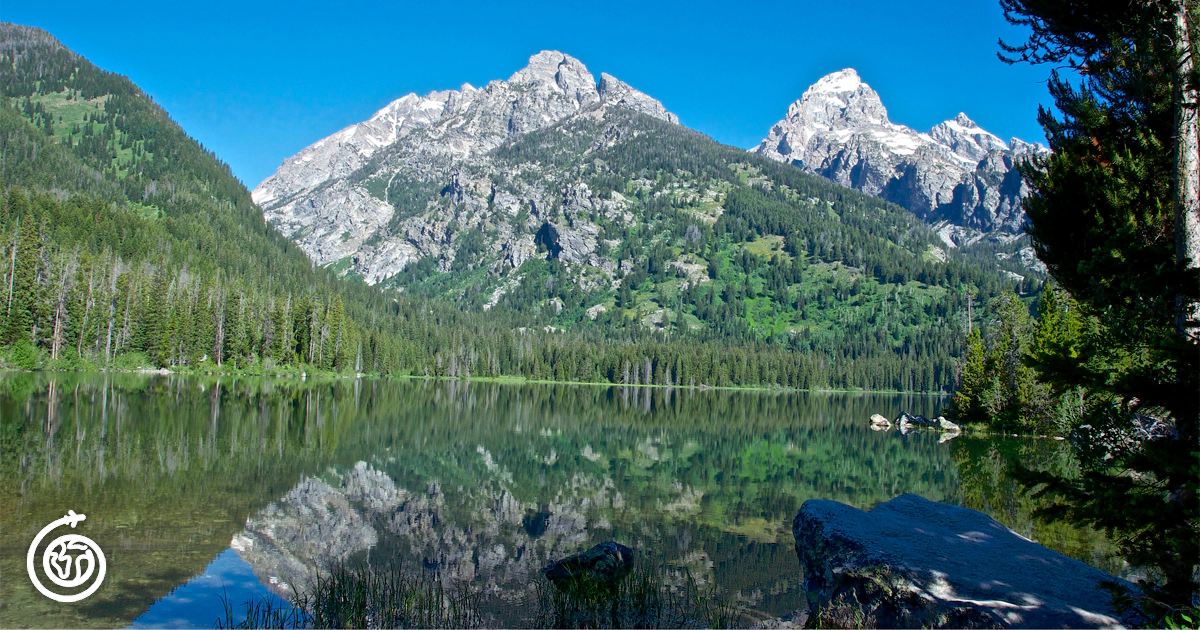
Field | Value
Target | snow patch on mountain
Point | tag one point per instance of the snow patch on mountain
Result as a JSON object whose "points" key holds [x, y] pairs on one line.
{"points": [[958, 171], [332, 198]]}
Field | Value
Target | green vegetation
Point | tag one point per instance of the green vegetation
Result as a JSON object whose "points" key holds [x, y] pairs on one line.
{"points": [[266, 612], [725, 249], [1116, 352], [370, 597], [128, 245], [135, 244], [642, 599], [998, 386]]}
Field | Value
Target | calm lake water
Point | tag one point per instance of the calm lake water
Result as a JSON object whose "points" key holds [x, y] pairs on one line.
{"points": [[198, 487]]}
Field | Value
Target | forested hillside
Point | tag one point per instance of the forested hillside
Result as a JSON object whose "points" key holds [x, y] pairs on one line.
{"points": [[125, 243], [124, 235], [701, 242]]}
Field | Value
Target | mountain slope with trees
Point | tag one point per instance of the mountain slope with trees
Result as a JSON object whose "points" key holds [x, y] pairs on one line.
{"points": [[129, 244]]}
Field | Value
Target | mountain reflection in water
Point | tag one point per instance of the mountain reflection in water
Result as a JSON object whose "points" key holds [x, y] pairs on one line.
{"points": [[473, 482]]}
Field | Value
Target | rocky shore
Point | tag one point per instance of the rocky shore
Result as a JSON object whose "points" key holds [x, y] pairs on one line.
{"points": [[915, 563]]}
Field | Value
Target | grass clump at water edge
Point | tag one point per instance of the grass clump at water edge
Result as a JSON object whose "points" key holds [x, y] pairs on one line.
{"points": [[642, 599], [268, 612], [370, 597]]}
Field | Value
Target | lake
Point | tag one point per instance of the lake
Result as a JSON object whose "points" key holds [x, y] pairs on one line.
{"points": [[201, 487]]}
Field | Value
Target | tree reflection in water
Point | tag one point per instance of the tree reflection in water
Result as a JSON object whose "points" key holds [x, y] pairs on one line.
{"points": [[476, 482]]}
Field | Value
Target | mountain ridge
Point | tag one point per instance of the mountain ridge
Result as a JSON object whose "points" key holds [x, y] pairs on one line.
{"points": [[618, 219], [957, 173], [330, 199], [451, 125]]}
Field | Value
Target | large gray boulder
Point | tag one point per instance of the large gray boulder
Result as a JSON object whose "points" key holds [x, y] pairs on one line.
{"points": [[911, 562]]}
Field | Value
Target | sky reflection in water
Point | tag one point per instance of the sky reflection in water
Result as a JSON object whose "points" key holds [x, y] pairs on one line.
{"points": [[480, 482]]}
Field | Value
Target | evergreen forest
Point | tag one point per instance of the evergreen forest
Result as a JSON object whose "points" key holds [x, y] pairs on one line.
{"points": [[128, 245]]}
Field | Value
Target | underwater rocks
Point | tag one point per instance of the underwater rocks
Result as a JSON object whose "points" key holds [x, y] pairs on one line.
{"points": [[912, 563], [485, 537], [598, 568]]}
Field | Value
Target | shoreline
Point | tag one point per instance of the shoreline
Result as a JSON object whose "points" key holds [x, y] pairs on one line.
{"points": [[503, 380]]}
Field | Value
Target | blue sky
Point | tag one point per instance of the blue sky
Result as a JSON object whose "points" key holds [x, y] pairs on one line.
{"points": [[258, 81]]}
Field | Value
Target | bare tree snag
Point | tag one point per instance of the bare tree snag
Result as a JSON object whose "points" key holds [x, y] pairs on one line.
{"points": [[1187, 159]]}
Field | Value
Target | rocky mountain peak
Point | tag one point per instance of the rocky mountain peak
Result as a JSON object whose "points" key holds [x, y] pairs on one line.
{"points": [[1020, 148], [319, 198], [618, 92], [561, 72], [966, 139], [958, 171], [838, 99]]}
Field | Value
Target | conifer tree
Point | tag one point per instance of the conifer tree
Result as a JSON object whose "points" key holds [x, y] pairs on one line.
{"points": [[972, 381], [23, 288], [1109, 216]]}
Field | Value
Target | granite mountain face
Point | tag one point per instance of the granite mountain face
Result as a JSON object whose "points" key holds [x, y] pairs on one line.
{"points": [[423, 174], [558, 201], [344, 197], [957, 176]]}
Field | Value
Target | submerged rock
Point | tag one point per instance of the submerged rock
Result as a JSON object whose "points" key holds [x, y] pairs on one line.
{"points": [[600, 567], [911, 562], [880, 423]]}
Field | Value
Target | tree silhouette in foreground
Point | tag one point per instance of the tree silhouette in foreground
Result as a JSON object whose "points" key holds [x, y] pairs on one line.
{"points": [[1111, 215]]}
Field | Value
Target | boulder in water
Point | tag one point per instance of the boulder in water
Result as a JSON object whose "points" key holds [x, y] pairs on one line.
{"points": [[948, 426], [908, 422], [598, 568], [880, 423]]}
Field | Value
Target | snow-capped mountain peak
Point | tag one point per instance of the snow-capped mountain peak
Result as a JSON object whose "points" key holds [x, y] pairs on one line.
{"points": [[836, 99], [314, 199], [842, 81], [966, 139], [957, 171]]}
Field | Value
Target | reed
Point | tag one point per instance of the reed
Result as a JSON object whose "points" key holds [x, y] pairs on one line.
{"points": [[266, 612], [371, 597], [643, 599]]}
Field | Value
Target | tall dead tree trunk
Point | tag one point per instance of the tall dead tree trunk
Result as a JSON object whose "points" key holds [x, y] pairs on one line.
{"points": [[87, 309], [219, 320], [13, 271], [66, 275], [112, 309], [1187, 158]]}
